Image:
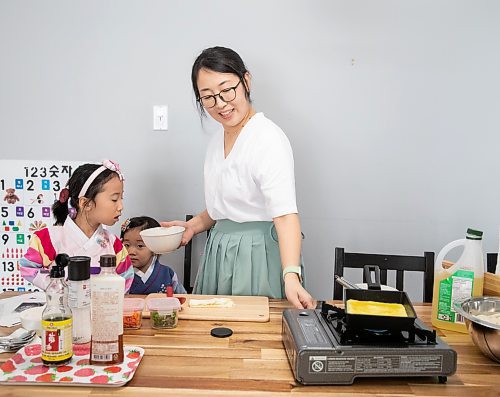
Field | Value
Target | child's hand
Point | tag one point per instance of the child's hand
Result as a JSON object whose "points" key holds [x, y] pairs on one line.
{"points": [[188, 233]]}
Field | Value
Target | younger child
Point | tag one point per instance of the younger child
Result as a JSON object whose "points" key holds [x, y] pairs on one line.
{"points": [[150, 275], [92, 198]]}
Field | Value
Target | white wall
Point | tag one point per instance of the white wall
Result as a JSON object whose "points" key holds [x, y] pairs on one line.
{"points": [[391, 108]]}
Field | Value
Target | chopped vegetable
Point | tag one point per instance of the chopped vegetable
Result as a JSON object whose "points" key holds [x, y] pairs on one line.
{"points": [[164, 319], [132, 321]]}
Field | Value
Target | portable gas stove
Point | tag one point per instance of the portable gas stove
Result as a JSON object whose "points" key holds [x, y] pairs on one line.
{"points": [[322, 349]]}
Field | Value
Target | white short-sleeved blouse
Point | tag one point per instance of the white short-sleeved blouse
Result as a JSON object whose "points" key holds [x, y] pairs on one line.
{"points": [[256, 181]]}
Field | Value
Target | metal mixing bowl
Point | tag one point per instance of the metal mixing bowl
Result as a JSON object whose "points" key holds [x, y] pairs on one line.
{"points": [[485, 335]]}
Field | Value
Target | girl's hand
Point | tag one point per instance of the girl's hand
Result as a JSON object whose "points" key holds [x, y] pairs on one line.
{"points": [[296, 294], [188, 233]]}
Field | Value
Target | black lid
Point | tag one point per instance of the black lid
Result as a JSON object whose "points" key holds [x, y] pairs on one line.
{"points": [[57, 270], [107, 261], [79, 268], [221, 332]]}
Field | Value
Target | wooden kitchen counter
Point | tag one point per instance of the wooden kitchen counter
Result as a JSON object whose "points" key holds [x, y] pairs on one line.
{"points": [[187, 361]]}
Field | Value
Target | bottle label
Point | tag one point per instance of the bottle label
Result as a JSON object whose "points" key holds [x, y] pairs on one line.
{"points": [[79, 294], [107, 321], [57, 343], [104, 351], [455, 288]]}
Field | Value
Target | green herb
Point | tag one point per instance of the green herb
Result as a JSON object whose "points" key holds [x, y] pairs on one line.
{"points": [[164, 320]]}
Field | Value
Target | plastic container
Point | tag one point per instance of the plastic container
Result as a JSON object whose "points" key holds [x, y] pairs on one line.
{"points": [[459, 282], [79, 298], [164, 312], [106, 291], [132, 313]]}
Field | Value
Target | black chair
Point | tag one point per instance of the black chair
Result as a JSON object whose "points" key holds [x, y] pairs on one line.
{"points": [[188, 250], [400, 263], [491, 262]]}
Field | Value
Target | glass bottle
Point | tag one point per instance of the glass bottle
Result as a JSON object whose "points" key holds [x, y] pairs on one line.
{"points": [[57, 321]]}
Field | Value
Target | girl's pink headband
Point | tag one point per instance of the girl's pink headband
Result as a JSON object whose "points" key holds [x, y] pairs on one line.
{"points": [[106, 165]]}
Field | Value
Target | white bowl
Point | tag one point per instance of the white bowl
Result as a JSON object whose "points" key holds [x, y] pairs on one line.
{"points": [[161, 240], [31, 319]]}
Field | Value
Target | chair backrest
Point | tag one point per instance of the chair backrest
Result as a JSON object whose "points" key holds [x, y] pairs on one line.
{"points": [[400, 263], [188, 251], [491, 262]]}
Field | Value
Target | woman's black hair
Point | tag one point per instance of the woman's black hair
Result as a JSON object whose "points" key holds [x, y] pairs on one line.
{"points": [[222, 60], [143, 222], [74, 186]]}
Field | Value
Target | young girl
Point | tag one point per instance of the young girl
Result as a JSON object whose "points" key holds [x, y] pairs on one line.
{"points": [[150, 275], [92, 198]]}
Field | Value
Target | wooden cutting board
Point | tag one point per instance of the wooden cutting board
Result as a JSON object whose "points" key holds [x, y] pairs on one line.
{"points": [[245, 308]]}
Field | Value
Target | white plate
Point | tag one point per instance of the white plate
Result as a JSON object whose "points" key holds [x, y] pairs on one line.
{"points": [[383, 287]]}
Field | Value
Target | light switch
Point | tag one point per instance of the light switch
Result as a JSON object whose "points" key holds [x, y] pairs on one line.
{"points": [[160, 118]]}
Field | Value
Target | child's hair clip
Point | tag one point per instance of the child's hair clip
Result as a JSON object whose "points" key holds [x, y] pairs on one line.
{"points": [[72, 212], [125, 225], [64, 195]]}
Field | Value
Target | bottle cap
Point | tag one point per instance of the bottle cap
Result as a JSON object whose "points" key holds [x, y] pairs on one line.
{"points": [[221, 332], [107, 261], [79, 268], [57, 270], [474, 234]]}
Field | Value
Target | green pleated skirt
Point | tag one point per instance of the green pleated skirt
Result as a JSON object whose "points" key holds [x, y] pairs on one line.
{"points": [[241, 259]]}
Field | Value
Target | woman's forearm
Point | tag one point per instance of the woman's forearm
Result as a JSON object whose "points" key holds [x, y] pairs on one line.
{"points": [[290, 239], [201, 222]]}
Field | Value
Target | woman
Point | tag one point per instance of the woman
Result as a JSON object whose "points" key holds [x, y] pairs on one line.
{"points": [[254, 246]]}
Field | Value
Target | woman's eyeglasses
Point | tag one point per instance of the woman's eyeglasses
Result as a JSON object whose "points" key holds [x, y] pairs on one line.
{"points": [[226, 95]]}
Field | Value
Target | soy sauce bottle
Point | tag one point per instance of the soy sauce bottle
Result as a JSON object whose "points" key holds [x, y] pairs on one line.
{"points": [[57, 321]]}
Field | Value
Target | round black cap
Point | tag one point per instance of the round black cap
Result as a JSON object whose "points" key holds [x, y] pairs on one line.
{"points": [[107, 261], [57, 269], [221, 332], [79, 268]]}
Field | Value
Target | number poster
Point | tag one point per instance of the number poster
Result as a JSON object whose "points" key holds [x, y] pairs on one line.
{"points": [[28, 188]]}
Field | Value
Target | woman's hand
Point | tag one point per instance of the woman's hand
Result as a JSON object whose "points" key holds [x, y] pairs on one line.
{"points": [[296, 294], [188, 233]]}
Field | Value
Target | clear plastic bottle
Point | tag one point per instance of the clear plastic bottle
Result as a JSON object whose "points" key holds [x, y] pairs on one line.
{"points": [[463, 280], [57, 339], [107, 294], [79, 298]]}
